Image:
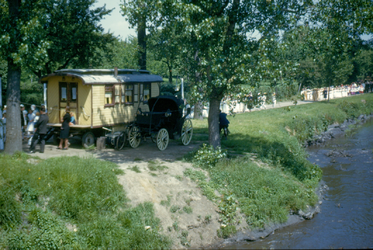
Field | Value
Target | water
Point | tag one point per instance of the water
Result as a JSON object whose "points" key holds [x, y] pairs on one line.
{"points": [[346, 219]]}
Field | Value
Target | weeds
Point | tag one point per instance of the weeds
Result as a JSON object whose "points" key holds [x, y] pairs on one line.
{"points": [[188, 209], [135, 169], [155, 166]]}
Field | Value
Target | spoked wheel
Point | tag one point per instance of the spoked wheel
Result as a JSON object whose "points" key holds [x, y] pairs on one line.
{"points": [[134, 137], [186, 132], [162, 139], [121, 141]]}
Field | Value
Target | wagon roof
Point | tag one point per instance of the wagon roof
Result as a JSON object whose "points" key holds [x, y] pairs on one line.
{"points": [[165, 102], [107, 76]]}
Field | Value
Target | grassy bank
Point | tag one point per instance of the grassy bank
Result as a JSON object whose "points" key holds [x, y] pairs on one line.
{"points": [[283, 180], [70, 203]]}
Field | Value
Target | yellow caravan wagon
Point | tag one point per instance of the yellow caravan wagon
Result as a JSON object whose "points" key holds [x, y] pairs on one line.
{"points": [[98, 98]]}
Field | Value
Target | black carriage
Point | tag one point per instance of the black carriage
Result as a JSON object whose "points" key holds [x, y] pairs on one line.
{"points": [[164, 121]]}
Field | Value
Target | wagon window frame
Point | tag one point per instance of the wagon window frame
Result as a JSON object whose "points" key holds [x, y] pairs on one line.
{"points": [[63, 91], [117, 93], [130, 90], [142, 91], [110, 89]]}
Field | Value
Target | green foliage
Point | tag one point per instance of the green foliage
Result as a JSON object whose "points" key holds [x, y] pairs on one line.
{"points": [[44, 231], [353, 109], [188, 209], [174, 208], [155, 166], [47, 196], [227, 231], [175, 225], [10, 209], [207, 156], [135, 169], [167, 202]]}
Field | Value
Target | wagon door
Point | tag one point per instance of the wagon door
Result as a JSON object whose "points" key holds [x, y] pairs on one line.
{"points": [[69, 97]]}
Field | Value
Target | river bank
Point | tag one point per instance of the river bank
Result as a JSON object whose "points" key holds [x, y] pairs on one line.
{"points": [[334, 131], [345, 220]]}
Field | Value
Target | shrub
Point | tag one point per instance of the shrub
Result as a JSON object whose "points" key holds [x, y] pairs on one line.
{"points": [[207, 156]]}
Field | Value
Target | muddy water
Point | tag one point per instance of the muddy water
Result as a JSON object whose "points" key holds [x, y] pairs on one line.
{"points": [[346, 218]]}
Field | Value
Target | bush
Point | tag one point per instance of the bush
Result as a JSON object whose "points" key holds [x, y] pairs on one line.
{"points": [[207, 156]]}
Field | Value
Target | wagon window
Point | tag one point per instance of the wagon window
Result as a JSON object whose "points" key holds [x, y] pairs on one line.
{"points": [[73, 93], [109, 95], [117, 94], [130, 94], [63, 92], [145, 91], [135, 92]]}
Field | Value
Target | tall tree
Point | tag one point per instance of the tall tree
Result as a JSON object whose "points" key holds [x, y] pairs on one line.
{"points": [[139, 13], [340, 24], [20, 24], [219, 34], [73, 31], [42, 36]]}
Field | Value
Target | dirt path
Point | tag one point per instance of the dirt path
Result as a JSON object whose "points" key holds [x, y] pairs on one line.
{"points": [[157, 176]]}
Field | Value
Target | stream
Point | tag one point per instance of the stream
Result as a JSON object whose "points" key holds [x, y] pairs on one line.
{"points": [[346, 219]]}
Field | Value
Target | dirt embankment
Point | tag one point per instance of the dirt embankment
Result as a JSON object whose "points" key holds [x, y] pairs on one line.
{"points": [[187, 216]]}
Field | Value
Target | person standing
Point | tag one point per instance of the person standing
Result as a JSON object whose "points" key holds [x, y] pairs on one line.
{"points": [[65, 129], [223, 123], [40, 131], [23, 121], [4, 125]]}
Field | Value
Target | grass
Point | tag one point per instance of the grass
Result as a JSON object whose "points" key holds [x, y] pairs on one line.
{"points": [[284, 179], [37, 201], [135, 169], [155, 166]]}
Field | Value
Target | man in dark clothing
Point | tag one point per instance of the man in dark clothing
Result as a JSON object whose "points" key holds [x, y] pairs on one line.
{"points": [[223, 123], [41, 130]]}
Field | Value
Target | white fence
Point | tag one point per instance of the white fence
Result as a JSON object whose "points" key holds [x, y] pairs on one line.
{"points": [[309, 95]]}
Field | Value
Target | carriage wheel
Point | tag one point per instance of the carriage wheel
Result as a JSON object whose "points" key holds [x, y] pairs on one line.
{"points": [[88, 139], [134, 137], [121, 141], [186, 132], [162, 139]]}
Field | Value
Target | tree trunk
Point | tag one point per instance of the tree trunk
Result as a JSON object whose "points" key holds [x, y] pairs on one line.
{"points": [[141, 37], [13, 121], [214, 133], [13, 113], [170, 74], [198, 111]]}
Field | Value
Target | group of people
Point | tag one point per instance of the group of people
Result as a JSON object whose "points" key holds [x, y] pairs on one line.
{"points": [[35, 122], [41, 130]]}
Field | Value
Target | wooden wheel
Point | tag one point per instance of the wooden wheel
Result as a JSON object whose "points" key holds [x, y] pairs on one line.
{"points": [[186, 132], [162, 139], [134, 137], [121, 141], [88, 139]]}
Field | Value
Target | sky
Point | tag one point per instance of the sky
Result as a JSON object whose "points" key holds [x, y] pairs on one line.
{"points": [[115, 22]]}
